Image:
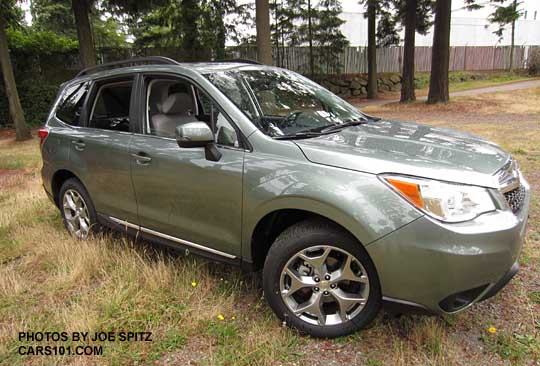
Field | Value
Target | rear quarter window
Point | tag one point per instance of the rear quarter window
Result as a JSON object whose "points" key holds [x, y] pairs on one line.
{"points": [[71, 103]]}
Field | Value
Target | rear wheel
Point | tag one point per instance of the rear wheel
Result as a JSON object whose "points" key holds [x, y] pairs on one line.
{"points": [[320, 280], [77, 209]]}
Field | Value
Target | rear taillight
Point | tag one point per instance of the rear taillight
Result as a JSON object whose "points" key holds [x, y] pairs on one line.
{"points": [[43, 133]]}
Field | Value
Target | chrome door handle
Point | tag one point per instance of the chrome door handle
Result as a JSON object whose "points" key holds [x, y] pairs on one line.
{"points": [[79, 145], [141, 159]]}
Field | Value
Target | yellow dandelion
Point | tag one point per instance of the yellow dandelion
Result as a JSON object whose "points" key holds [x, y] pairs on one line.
{"points": [[193, 284], [220, 317], [233, 317], [492, 330]]}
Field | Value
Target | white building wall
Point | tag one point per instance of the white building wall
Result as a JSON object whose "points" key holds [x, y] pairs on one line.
{"points": [[469, 28]]}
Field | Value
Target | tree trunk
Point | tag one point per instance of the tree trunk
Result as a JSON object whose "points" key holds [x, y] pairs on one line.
{"points": [[407, 77], [15, 110], [87, 53], [221, 36], [372, 51], [511, 68], [440, 57], [310, 35], [276, 34], [262, 20]]}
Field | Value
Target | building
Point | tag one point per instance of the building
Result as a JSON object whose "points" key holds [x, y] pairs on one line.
{"points": [[469, 28]]}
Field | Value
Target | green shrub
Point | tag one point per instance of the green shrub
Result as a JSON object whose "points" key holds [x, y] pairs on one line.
{"points": [[36, 98]]}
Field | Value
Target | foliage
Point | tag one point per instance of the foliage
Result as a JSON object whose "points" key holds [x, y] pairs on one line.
{"points": [[504, 15], [36, 100], [304, 22], [327, 36], [33, 43], [53, 16], [11, 13], [199, 27], [108, 32], [392, 20], [56, 16], [514, 347]]}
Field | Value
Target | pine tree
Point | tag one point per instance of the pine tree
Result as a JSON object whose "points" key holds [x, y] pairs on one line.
{"points": [[328, 37], [312, 24], [503, 15], [282, 28]]}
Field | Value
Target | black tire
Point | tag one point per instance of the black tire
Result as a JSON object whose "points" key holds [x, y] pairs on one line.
{"points": [[304, 235], [75, 185]]}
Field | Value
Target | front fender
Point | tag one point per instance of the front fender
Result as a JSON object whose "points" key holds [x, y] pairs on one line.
{"points": [[359, 202]]}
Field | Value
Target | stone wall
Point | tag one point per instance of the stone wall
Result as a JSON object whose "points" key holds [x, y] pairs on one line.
{"points": [[356, 84]]}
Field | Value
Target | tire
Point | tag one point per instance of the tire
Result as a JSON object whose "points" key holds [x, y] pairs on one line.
{"points": [[74, 216], [301, 249]]}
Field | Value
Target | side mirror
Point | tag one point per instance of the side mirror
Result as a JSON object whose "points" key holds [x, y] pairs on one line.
{"points": [[194, 134], [198, 134]]}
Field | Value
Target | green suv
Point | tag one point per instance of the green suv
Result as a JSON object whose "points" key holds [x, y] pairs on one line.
{"points": [[262, 168]]}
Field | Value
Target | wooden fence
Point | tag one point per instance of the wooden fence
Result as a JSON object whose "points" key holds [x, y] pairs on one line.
{"points": [[390, 59]]}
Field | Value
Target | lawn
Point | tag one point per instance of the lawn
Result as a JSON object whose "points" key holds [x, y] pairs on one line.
{"points": [[207, 314], [464, 80]]}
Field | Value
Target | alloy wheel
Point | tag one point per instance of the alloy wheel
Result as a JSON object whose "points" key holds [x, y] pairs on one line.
{"points": [[324, 285], [76, 214]]}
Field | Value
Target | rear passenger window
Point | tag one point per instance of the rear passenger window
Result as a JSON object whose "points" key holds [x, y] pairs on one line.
{"points": [[71, 104], [111, 107]]}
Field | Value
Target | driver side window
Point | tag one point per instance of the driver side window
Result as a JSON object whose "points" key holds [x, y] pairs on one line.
{"points": [[174, 102]]}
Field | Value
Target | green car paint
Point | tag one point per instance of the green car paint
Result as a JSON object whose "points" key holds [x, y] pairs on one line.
{"points": [[217, 206]]}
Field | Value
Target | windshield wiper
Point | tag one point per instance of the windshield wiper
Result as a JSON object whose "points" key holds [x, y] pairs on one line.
{"points": [[343, 125], [298, 135]]}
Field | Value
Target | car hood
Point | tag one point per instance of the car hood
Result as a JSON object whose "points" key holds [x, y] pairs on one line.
{"points": [[408, 148]]}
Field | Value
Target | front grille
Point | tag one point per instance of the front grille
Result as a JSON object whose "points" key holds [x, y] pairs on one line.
{"points": [[515, 198]]}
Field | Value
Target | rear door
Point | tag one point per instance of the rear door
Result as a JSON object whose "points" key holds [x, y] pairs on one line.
{"points": [[100, 148]]}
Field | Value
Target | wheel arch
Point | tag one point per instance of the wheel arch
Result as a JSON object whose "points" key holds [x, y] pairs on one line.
{"points": [[58, 178], [273, 222]]}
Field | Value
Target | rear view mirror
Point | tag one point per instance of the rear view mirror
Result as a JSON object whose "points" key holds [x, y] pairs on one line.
{"points": [[198, 134]]}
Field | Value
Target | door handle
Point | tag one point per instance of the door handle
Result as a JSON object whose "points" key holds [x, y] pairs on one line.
{"points": [[79, 144], [142, 158]]}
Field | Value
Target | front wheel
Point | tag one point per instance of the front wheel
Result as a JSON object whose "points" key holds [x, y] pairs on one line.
{"points": [[320, 280]]}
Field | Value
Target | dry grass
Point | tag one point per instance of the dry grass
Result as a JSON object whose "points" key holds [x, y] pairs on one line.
{"points": [[49, 281]]}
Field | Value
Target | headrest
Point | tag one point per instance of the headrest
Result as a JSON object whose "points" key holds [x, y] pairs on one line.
{"points": [[178, 103], [158, 95]]}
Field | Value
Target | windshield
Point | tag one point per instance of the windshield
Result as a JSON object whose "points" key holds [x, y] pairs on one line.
{"points": [[282, 103]]}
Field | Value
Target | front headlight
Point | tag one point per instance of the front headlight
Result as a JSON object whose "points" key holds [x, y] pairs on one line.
{"points": [[444, 201]]}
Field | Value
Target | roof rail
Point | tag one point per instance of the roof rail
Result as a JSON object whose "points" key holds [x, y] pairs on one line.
{"points": [[130, 62], [240, 60]]}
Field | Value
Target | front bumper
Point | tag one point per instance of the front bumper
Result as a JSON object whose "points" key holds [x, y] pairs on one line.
{"points": [[445, 268]]}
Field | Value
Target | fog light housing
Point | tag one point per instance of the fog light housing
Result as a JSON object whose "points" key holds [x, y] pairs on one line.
{"points": [[461, 299]]}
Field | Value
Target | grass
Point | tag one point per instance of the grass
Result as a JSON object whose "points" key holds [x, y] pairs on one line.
{"points": [[209, 314], [463, 80]]}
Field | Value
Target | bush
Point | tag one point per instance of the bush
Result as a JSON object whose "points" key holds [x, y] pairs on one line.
{"points": [[36, 100], [533, 61]]}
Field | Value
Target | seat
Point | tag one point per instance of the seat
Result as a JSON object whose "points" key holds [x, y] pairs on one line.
{"points": [[176, 110]]}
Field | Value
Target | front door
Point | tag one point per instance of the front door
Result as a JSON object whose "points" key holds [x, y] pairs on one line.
{"points": [[180, 194]]}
